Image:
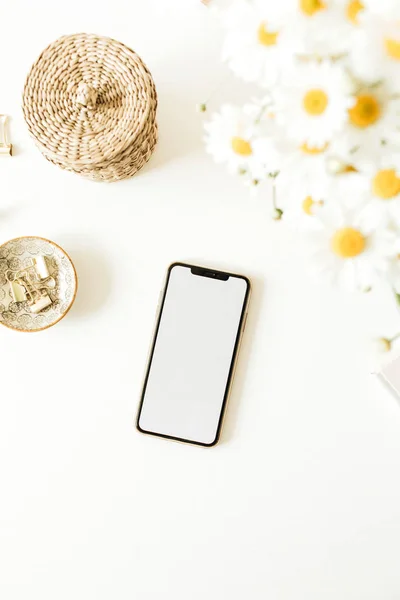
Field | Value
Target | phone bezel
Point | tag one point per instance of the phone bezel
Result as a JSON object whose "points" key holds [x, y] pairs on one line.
{"points": [[231, 367]]}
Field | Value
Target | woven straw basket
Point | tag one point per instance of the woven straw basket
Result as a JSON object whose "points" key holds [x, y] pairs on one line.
{"points": [[90, 105]]}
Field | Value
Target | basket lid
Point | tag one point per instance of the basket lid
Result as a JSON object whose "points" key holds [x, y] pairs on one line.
{"points": [[86, 99]]}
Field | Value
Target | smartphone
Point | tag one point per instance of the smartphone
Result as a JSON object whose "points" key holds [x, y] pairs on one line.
{"points": [[201, 318]]}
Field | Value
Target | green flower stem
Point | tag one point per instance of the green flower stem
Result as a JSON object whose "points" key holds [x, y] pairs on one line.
{"points": [[278, 212], [274, 195]]}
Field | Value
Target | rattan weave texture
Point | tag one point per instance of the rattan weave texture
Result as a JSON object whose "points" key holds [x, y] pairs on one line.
{"points": [[90, 105]]}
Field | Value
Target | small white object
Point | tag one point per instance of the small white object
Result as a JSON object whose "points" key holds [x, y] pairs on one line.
{"points": [[5, 146], [390, 373]]}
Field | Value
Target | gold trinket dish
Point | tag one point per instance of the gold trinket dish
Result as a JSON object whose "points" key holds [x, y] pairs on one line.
{"points": [[38, 283]]}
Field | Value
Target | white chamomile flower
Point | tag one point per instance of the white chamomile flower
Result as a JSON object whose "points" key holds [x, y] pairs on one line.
{"points": [[389, 9], [375, 50], [312, 105], [353, 11], [302, 162], [374, 118], [382, 180], [253, 45], [301, 183], [235, 137], [353, 249], [316, 28], [302, 200], [306, 162], [343, 157]]}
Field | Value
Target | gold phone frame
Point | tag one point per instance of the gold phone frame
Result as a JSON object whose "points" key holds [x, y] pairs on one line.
{"points": [[239, 335]]}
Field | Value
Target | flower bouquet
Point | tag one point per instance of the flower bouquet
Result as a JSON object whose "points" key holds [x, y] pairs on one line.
{"points": [[324, 134]]}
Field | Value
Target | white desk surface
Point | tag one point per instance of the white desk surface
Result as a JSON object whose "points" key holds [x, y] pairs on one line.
{"points": [[302, 498]]}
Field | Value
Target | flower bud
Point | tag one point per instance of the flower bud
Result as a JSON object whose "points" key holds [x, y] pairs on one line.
{"points": [[277, 214], [335, 165], [383, 345]]}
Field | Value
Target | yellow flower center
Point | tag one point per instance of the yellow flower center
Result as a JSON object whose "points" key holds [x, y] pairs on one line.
{"points": [[308, 205], [349, 169], [315, 102], [265, 37], [313, 150], [310, 7], [352, 10], [392, 48], [386, 184], [365, 112], [348, 242], [241, 146]]}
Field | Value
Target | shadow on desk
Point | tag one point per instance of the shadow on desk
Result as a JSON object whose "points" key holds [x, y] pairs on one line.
{"points": [[237, 397], [94, 280]]}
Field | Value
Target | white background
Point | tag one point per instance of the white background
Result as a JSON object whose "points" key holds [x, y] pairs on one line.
{"points": [[302, 498]]}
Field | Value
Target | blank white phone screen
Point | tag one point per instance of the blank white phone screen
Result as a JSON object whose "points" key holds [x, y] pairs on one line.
{"points": [[192, 356]]}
